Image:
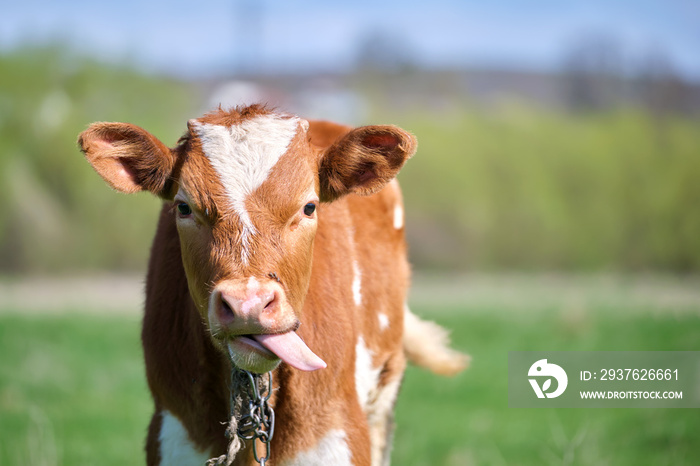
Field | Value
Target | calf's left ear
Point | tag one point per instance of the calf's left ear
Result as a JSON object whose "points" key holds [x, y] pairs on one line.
{"points": [[364, 160]]}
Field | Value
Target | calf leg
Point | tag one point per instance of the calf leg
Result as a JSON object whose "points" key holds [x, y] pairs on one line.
{"points": [[380, 411]]}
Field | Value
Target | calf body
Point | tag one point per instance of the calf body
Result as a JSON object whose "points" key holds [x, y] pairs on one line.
{"points": [[280, 247]]}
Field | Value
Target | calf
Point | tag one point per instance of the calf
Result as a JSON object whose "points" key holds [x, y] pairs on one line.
{"points": [[280, 247]]}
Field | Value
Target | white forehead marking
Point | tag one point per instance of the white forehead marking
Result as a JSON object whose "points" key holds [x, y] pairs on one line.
{"points": [[243, 156], [176, 448]]}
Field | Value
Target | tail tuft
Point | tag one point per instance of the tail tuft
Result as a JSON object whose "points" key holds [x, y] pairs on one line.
{"points": [[426, 344]]}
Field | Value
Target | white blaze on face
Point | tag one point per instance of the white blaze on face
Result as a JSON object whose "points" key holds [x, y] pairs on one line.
{"points": [[243, 156]]}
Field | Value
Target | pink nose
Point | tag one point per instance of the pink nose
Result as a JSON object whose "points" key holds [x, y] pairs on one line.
{"points": [[244, 307], [247, 305]]}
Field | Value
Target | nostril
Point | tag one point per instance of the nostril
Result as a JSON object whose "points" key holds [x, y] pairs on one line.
{"points": [[226, 310], [271, 301]]}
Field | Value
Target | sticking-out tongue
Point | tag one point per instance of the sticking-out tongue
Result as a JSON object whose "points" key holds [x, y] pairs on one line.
{"points": [[290, 348]]}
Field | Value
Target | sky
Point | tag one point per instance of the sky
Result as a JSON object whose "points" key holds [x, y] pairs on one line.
{"points": [[211, 37]]}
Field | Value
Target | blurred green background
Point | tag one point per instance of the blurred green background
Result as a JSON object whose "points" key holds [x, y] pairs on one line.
{"points": [[508, 185], [548, 208]]}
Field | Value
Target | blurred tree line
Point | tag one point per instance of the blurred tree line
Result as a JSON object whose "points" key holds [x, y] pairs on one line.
{"points": [[537, 190], [57, 215], [513, 185], [599, 76]]}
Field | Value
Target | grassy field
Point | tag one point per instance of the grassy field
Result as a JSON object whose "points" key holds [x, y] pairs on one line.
{"points": [[72, 389]]}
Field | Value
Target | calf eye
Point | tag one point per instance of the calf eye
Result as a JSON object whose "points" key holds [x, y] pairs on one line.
{"points": [[309, 209], [183, 209]]}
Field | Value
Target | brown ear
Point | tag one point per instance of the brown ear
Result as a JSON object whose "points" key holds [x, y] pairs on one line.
{"points": [[364, 160], [129, 158]]}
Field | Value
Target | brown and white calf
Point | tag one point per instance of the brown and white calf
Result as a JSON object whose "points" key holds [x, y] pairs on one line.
{"points": [[280, 246]]}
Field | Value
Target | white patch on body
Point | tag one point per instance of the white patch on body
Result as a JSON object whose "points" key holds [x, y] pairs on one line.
{"points": [[243, 156], [383, 321], [379, 415], [176, 448], [386, 397], [356, 283], [332, 449], [398, 216], [366, 376]]}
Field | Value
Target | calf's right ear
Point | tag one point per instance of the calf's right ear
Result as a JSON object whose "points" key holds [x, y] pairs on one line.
{"points": [[129, 158], [364, 160]]}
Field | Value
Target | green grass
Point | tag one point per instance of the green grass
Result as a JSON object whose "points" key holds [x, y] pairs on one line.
{"points": [[72, 392], [466, 420]]}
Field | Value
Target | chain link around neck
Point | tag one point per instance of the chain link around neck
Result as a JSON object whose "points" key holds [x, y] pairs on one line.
{"points": [[251, 416]]}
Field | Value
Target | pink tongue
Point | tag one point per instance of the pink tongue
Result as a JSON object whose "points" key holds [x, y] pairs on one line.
{"points": [[290, 348]]}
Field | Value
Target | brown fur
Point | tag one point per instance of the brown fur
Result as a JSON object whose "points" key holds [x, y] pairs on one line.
{"points": [[312, 266], [235, 116]]}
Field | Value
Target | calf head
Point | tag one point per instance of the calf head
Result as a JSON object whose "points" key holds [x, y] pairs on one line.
{"points": [[245, 186]]}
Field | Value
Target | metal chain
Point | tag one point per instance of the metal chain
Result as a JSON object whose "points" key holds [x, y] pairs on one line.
{"points": [[258, 422]]}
